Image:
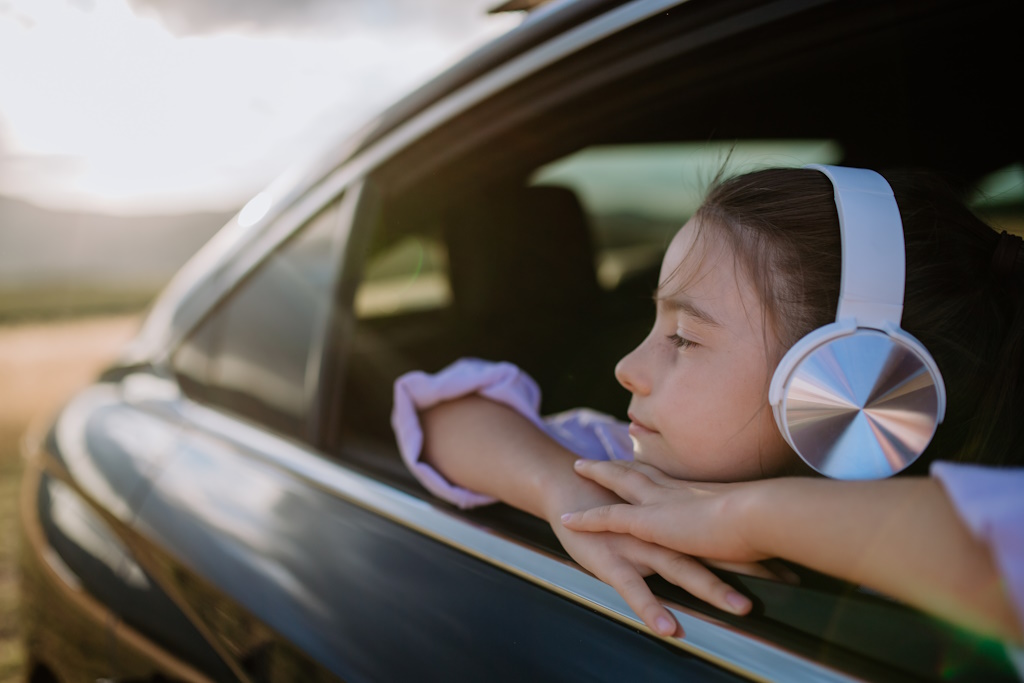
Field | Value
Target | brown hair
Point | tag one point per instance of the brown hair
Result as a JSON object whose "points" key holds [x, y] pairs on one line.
{"points": [[784, 230]]}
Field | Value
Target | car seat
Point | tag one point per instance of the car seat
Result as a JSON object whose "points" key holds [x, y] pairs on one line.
{"points": [[525, 287]]}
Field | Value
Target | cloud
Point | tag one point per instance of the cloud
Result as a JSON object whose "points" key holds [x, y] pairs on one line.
{"points": [[119, 112], [195, 17]]}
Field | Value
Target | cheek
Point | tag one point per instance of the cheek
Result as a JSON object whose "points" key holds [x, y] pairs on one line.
{"points": [[724, 430], [714, 392]]}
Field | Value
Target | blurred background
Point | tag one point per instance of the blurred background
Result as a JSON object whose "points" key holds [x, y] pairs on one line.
{"points": [[131, 130]]}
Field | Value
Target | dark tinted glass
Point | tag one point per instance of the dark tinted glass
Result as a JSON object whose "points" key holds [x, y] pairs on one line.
{"points": [[250, 355]]}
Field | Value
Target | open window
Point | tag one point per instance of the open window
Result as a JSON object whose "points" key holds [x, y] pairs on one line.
{"points": [[530, 228]]}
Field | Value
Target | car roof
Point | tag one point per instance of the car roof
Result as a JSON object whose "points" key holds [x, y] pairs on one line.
{"points": [[541, 25]]}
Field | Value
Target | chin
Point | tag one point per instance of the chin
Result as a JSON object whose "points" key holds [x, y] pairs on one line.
{"points": [[669, 468]]}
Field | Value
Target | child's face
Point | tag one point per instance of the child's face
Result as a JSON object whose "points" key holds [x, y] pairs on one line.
{"points": [[700, 379]]}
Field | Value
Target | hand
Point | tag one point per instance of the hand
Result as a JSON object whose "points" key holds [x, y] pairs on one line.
{"points": [[885, 535], [622, 561], [698, 519]]}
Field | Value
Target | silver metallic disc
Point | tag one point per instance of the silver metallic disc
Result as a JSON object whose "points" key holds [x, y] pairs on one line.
{"points": [[861, 407]]}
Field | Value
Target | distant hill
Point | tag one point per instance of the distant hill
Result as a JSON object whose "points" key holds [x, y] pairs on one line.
{"points": [[69, 260]]}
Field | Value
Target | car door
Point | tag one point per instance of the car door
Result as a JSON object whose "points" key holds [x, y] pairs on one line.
{"points": [[85, 591], [244, 366]]}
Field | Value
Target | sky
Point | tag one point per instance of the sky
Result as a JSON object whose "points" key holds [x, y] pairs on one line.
{"points": [[175, 106]]}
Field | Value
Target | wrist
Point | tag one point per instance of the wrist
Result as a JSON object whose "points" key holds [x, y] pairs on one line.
{"points": [[749, 510], [566, 491]]}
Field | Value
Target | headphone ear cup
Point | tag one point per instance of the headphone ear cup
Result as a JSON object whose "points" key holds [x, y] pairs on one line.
{"points": [[857, 403]]}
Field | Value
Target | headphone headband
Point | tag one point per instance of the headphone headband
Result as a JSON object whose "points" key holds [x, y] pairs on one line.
{"points": [[873, 258]]}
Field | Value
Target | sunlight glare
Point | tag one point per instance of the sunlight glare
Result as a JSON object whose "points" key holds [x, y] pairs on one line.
{"points": [[254, 210], [108, 110]]}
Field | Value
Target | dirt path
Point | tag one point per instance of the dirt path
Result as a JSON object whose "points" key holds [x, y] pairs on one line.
{"points": [[41, 365]]}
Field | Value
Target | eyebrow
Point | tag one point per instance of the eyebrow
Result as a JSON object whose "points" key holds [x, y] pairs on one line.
{"points": [[676, 303]]}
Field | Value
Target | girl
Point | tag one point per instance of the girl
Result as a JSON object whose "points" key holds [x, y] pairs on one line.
{"points": [[755, 269]]}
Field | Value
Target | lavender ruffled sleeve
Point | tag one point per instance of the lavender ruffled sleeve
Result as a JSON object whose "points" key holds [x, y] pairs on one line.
{"points": [[587, 433], [990, 501]]}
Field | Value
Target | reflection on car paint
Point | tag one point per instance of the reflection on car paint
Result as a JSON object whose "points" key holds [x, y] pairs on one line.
{"points": [[110, 450], [71, 516], [247, 543]]}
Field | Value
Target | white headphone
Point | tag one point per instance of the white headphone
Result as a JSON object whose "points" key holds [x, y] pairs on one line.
{"points": [[860, 398]]}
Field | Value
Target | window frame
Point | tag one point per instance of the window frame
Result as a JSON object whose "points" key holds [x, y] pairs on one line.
{"points": [[248, 262]]}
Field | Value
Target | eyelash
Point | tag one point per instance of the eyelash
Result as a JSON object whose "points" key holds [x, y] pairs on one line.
{"points": [[681, 342]]}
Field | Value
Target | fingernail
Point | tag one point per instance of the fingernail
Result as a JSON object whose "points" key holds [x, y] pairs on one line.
{"points": [[739, 603], [566, 517], [579, 463], [664, 626]]}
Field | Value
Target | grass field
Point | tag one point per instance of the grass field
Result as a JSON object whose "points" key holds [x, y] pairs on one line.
{"points": [[41, 364], [19, 305]]}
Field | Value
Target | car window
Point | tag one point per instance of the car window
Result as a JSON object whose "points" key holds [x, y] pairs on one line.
{"points": [[999, 199], [405, 276], [547, 205], [551, 268], [250, 355]]}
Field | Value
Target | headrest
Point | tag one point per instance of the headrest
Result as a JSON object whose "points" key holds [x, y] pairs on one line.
{"points": [[527, 252]]}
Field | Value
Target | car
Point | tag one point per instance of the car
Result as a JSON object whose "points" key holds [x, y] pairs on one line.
{"points": [[226, 502]]}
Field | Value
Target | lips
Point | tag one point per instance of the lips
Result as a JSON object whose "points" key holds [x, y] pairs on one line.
{"points": [[638, 428]]}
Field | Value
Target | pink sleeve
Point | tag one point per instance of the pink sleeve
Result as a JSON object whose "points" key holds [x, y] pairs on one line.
{"points": [[587, 433], [990, 501], [415, 391]]}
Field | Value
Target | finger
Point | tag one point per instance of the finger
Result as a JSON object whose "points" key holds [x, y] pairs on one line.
{"points": [[626, 479], [628, 583], [693, 577], [649, 471], [618, 518]]}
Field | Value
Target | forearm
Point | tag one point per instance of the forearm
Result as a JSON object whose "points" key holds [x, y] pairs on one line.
{"points": [[901, 537], [488, 447]]}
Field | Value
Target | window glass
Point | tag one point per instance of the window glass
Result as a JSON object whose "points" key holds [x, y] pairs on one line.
{"points": [[637, 196], [999, 199], [403, 316], [251, 354], [409, 275]]}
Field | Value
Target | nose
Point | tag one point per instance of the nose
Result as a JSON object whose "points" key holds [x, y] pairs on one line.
{"points": [[629, 371]]}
